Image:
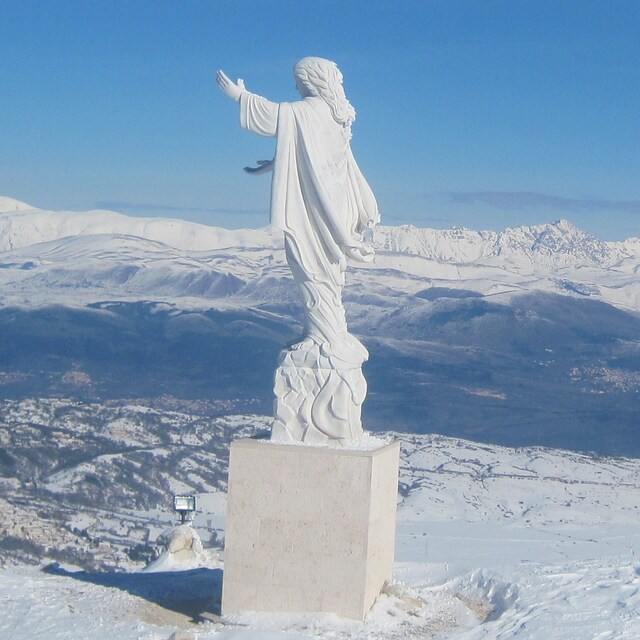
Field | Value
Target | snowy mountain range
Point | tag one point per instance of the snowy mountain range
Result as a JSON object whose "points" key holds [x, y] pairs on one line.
{"points": [[524, 337], [559, 244], [551, 254], [133, 350]]}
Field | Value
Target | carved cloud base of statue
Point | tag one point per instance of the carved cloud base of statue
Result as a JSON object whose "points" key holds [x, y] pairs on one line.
{"points": [[318, 397]]}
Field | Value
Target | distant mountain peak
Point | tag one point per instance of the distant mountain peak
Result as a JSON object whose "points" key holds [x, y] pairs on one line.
{"points": [[563, 223], [529, 248], [8, 205], [559, 240], [549, 245]]}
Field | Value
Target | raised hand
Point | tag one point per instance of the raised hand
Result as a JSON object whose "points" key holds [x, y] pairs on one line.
{"points": [[263, 167], [230, 88]]}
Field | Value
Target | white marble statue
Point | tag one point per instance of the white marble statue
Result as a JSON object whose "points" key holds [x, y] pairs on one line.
{"points": [[323, 204]]}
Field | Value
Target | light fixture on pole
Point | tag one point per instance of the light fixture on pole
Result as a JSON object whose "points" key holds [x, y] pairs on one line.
{"points": [[185, 506]]}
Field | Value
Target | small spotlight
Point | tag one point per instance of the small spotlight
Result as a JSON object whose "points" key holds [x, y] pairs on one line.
{"points": [[185, 506]]}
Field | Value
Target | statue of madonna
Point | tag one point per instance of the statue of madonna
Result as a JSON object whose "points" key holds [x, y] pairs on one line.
{"points": [[323, 204]]}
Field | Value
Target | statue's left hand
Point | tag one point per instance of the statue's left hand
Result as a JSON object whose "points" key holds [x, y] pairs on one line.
{"points": [[264, 166], [232, 89]]}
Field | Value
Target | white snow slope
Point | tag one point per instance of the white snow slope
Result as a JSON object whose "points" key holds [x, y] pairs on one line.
{"points": [[74, 257], [492, 543]]}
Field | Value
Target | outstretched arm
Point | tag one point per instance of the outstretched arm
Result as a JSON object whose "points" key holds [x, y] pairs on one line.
{"points": [[232, 89], [256, 114]]}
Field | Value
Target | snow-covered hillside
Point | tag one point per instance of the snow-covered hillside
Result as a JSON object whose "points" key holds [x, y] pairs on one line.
{"points": [[51, 253], [10, 204], [132, 350], [526, 336], [492, 542], [22, 225], [549, 245], [556, 245]]}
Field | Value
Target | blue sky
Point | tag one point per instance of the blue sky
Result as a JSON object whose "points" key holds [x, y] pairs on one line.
{"points": [[485, 114]]}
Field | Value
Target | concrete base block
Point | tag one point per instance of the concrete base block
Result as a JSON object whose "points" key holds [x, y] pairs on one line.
{"points": [[308, 528]]}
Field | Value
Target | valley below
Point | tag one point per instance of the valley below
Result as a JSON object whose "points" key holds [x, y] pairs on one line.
{"points": [[133, 351]]}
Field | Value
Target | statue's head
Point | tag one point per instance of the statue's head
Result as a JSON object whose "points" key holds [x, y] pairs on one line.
{"points": [[321, 77], [312, 74]]}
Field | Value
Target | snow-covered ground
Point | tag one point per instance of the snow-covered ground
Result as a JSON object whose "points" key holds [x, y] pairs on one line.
{"points": [[492, 543]]}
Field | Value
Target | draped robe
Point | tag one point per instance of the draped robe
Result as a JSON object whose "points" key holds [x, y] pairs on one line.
{"points": [[322, 203]]}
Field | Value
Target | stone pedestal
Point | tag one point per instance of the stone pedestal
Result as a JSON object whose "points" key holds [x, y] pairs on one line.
{"points": [[308, 528]]}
